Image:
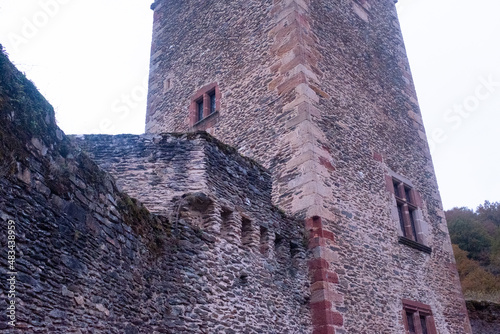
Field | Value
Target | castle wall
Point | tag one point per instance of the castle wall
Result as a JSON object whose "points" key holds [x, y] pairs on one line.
{"points": [[342, 121], [160, 168], [91, 259], [227, 43], [155, 169], [374, 131]]}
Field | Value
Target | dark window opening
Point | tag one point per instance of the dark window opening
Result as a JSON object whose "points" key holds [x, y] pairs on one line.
{"points": [[278, 241], [408, 195], [281, 248], [412, 223], [213, 102], [199, 110], [226, 220], [409, 320], [246, 231], [264, 240], [423, 325], [401, 219], [396, 189], [294, 248]]}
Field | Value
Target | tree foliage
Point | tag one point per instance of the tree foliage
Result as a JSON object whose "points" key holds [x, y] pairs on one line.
{"points": [[476, 243]]}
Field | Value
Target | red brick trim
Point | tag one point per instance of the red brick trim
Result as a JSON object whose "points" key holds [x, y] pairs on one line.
{"points": [[323, 161], [389, 184], [377, 157], [324, 316], [324, 330]]}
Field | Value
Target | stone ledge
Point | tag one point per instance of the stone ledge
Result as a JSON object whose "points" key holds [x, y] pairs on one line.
{"points": [[415, 245]]}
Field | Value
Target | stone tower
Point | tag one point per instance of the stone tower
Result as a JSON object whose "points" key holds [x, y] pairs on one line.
{"points": [[320, 92]]}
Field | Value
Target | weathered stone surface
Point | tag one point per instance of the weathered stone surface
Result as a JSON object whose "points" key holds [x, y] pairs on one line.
{"points": [[320, 92], [92, 259]]}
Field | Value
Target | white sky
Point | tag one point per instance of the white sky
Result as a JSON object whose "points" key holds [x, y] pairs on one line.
{"points": [[90, 59]]}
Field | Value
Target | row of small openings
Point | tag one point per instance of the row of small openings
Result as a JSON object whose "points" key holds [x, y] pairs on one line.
{"points": [[247, 236]]}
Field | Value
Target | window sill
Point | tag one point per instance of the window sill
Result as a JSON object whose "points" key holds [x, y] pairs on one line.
{"points": [[415, 245], [202, 124]]}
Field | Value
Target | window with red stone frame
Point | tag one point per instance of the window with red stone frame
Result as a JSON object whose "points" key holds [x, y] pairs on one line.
{"points": [[405, 199], [417, 318], [205, 104], [409, 214]]}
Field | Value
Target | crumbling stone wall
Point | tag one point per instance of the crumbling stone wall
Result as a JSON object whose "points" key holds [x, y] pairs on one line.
{"points": [[256, 239], [92, 259], [158, 168], [154, 169]]}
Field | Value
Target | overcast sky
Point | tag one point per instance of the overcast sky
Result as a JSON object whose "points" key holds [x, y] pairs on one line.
{"points": [[90, 59]]}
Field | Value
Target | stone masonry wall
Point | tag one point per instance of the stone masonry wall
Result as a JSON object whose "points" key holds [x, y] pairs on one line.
{"points": [[241, 221], [90, 259], [330, 109], [228, 43], [373, 129], [158, 168], [154, 169]]}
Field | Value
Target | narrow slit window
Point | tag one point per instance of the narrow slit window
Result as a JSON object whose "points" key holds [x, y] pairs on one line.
{"points": [[401, 219], [226, 221], [396, 189], [423, 325], [294, 248], [278, 241], [408, 194], [246, 231], [199, 109], [411, 324], [412, 222], [213, 102], [264, 240]]}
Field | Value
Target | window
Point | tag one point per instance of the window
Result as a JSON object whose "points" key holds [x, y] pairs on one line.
{"points": [[406, 209], [409, 321], [407, 213], [205, 104], [199, 109], [213, 102], [264, 240], [246, 232], [417, 318]]}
